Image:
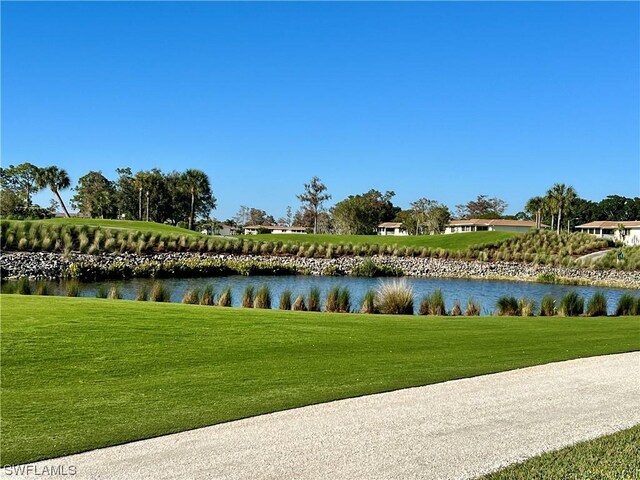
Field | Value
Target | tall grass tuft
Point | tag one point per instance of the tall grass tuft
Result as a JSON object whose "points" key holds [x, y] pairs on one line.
{"points": [[43, 288], [313, 303], [456, 310], [285, 300], [224, 300], [263, 298], [369, 302], [436, 303], [527, 307], [102, 292], [344, 300], [508, 306], [298, 304], [207, 295], [142, 294], [191, 296], [247, 297], [332, 304], [395, 297], [548, 306], [159, 293], [626, 305], [473, 308], [23, 286], [597, 305], [424, 306], [115, 293], [571, 305]]}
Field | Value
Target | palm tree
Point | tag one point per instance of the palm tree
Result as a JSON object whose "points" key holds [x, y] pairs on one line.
{"points": [[196, 182], [561, 198], [535, 206], [56, 179]]}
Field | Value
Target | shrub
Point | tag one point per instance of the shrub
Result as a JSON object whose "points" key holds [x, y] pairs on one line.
{"points": [[424, 306], [23, 286], [102, 292], [527, 307], [332, 304], [285, 300], [344, 300], [473, 308], [597, 305], [43, 288], [456, 311], [207, 295], [299, 304], [191, 296], [571, 305], [225, 298], [636, 310], [508, 306], [142, 294], [626, 305], [436, 303], [395, 297], [160, 293], [313, 305], [369, 302], [115, 293], [263, 297], [247, 297], [547, 277], [548, 306]]}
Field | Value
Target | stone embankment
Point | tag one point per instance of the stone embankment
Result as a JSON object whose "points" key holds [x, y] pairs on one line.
{"points": [[54, 265]]}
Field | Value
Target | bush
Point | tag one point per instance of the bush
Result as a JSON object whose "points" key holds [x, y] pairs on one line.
{"points": [[332, 304], [456, 311], [473, 308], [43, 288], [299, 304], [527, 307], [395, 297], [142, 294], [160, 293], [72, 288], [23, 286], [225, 298], [571, 305], [102, 292], [436, 303], [424, 306], [247, 297], [597, 305], [285, 300], [344, 301], [369, 268], [207, 295], [191, 296], [508, 306], [369, 302], [548, 306], [115, 293], [313, 305], [626, 305], [263, 298]]}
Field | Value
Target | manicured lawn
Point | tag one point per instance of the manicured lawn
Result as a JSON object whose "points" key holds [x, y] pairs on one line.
{"points": [[134, 225], [613, 457], [81, 373], [458, 241]]}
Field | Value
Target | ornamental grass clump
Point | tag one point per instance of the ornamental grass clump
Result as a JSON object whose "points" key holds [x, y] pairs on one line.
{"points": [[142, 294], [597, 305], [263, 298], [344, 300], [298, 304], [548, 306], [207, 295], [115, 293], [436, 303], [247, 297], [571, 305], [369, 302], [191, 296], [626, 305], [224, 300], [313, 303], [160, 293], [424, 306], [332, 304], [473, 308], [527, 307], [508, 306], [395, 297], [43, 288], [72, 288], [456, 310], [102, 292], [285, 300]]}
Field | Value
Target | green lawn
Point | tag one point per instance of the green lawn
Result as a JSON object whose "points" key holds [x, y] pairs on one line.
{"points": [[134, 225], [458, 241], [613, 457], [80, 373]]}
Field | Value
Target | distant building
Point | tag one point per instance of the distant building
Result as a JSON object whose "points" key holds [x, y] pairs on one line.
{"points": [[255, 229], [626, 232], [489, 225], [391, 228]]}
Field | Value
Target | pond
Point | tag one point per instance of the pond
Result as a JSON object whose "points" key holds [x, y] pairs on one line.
{"points": [[484, 292]]}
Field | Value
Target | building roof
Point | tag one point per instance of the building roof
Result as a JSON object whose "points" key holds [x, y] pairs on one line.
{"points": [[487, 222], [275, 227], [390, 225], [610, 224]]}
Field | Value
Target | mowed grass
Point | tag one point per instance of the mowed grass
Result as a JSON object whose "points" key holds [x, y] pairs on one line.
{"points": [[80, 373], [132, 225], [612, 457], [456, 241]]}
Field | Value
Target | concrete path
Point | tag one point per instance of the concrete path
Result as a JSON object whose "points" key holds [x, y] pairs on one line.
{"points": [[592, 257], [453, 430]]}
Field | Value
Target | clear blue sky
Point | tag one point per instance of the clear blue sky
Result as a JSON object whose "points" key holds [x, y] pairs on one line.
{"points": [[438, 100]]}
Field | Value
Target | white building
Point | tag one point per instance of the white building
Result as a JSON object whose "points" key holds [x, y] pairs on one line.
{"points": [[254, 229], [391, 228], [626, 232], [489, 225]]}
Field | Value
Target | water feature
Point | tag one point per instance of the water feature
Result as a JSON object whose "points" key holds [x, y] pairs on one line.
{"points": [[485, 292]]}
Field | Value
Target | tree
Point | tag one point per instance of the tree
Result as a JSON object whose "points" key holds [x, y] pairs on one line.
{"points": [[313, 199], [429, 216], [95, 196], [56, 179], [242, 217], [360, 214], [482, 207], [196, 183], [534, 207], [561, 197], [23, 180]]}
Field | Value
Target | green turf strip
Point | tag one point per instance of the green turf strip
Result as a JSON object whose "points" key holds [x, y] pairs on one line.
{"points": [[80, 373]]}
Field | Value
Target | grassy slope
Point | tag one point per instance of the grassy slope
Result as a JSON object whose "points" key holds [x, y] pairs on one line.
{"points": [[81, 373], [134, 225], [613, 457], [458, 241]]}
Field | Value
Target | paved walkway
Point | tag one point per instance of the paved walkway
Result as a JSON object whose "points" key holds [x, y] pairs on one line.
{"points": [[592, 257], [453, 430]]}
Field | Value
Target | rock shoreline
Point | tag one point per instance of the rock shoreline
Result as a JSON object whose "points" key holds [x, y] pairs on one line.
{"points": [[45, 265]]}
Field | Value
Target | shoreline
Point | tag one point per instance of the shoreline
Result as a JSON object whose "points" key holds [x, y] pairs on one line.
{"points": [[54, 266]]}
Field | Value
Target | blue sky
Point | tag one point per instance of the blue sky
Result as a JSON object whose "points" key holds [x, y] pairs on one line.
{"points": [[438, 100]]}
